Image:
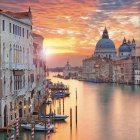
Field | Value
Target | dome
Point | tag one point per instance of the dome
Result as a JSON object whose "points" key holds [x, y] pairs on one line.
{"points": [[67, 65], [105, 43], [124, 48]]}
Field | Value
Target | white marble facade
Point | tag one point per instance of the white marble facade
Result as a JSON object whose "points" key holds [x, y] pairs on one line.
{"points": [[16, 48]]}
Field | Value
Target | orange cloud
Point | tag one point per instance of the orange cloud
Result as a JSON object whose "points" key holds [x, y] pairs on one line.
{"points": [[75, 26]]}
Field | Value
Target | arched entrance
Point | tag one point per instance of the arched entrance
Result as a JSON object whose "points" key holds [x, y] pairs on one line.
{"points": [[5, 116], [20, 109]]}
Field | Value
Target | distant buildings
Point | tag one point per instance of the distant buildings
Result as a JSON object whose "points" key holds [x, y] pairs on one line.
{"points": [[106, 66], [70, 72], [18, 72]]}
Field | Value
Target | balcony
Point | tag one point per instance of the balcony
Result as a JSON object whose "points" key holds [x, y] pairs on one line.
{"points": [[20, 92], [31, 67], [5, 65], [17, 66]]}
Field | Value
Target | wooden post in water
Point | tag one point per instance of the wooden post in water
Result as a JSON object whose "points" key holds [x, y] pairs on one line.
{"points": [[76, 109], [60, 106], [45, 117], [76, 114], [63, 106], [70, 117], [17, 128], [76, 96]]}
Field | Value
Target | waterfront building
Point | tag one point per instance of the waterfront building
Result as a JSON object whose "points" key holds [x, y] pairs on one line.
{"points": [[88, 71], [105, 66], [97, 69], [70, 72], [16, 63], [40, 70], [122, 71]]}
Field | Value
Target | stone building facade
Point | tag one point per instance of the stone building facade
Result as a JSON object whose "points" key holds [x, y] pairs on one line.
{"points": [[122, 71], [40, 70], [20, 78], [106, 66], [15, 45], [70, 72]]}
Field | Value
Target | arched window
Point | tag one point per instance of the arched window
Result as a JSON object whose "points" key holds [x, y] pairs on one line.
{"points": [[11, 84], [4, 87], [16, 50], [10, 54], [20, 56], [14, 53], [23, 55], [4, 52]]}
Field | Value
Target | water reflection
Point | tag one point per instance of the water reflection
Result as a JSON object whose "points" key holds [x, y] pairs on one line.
{"points": [[105, 112]]}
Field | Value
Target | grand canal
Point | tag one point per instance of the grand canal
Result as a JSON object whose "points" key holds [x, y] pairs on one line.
{"points": [[105, 112]]}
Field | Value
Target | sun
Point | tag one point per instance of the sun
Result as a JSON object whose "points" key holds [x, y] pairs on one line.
{"points": [[47, 51]]}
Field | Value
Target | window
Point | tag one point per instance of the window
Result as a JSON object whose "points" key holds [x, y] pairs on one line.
{"points": [[17, 30], [4, 88], [3, 25], [23, 32], [11, 84], [11, 106], [10, 27], [23, 56], [13, 29], [20, 31], [27, 34], [10, 54], [4, 52]]}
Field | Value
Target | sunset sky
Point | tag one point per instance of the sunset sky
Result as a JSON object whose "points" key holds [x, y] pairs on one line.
{"points": [[71, 28]]}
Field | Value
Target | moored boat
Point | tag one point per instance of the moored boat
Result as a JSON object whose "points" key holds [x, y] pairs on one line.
{"points": [[60, 94], [38, 127], [56, 117]]}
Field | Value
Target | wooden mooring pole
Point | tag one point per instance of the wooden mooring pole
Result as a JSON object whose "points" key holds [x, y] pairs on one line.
{"points": [[76, 109], [76, 114], [70, 117], [63, 106]]}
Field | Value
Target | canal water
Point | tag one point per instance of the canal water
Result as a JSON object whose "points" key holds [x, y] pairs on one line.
{"points": [[105, 112]]}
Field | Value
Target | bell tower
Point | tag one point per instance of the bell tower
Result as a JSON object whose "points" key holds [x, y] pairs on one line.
{"points": [[133, 48]]}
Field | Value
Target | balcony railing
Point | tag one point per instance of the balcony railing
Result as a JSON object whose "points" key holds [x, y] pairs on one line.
{"points": [[5, 65], [17, 66]]}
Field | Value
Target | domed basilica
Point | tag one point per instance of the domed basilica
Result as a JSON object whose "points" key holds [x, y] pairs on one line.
{"points": [[105, 48], [109, 64]]}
